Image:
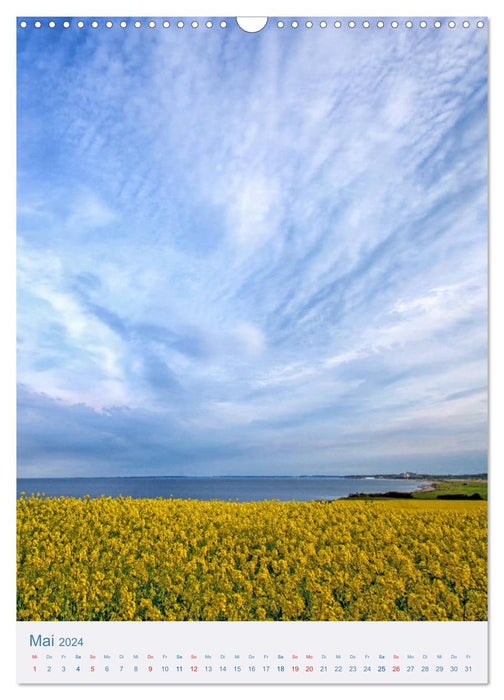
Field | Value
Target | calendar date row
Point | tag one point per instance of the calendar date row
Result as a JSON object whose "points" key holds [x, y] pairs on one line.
{"points": [[282, 668]]}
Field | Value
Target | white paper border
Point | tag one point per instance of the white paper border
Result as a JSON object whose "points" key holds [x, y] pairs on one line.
{"points": [[315, 8]]}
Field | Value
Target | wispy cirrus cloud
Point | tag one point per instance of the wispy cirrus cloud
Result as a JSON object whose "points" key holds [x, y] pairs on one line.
{"points": [[272, 246]]}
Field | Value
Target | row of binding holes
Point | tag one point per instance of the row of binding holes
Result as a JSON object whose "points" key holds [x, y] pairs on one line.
{"points": [[380, 24], [109, 24], [280, 24]]}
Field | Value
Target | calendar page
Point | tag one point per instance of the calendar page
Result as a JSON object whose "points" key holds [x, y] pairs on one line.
{"points": [[252, 350]]}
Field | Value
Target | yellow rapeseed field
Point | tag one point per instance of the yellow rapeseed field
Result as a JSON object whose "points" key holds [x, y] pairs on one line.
{"points": [[154, 559]]}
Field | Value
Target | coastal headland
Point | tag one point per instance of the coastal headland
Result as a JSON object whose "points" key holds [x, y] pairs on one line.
{"points": [[468, 487]]}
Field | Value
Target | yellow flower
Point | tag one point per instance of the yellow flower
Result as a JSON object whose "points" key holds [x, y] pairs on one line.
{"points": [[155, 559]]}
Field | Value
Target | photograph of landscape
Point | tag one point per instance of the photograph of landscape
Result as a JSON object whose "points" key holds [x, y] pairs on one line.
{"points": [[252, 321]]}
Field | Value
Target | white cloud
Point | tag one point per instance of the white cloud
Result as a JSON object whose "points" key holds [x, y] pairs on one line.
{"points": [[252, 204], [88, 210], [90, 369], [249, 339], [343, 358], [439, 311]]}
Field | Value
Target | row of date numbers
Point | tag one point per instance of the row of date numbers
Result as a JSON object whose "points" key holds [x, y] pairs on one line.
{"points": [[263, 669]]}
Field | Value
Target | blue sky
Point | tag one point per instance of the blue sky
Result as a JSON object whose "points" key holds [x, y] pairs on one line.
{"points": [[251, 254]]}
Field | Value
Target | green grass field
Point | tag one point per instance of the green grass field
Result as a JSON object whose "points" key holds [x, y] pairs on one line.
{"points": [[442, 487], [455, 487]]}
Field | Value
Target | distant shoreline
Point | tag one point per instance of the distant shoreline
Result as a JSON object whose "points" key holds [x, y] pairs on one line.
{"points": [[442, 489], [402, 477], [431, 486]]}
